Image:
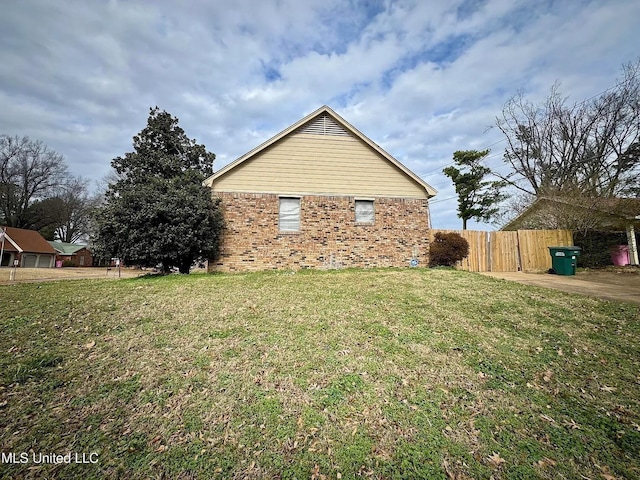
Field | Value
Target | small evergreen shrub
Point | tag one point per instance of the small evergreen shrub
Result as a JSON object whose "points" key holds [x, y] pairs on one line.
{"points": [[447, 249]]}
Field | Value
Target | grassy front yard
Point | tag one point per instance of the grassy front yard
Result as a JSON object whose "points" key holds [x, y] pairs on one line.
{"points": [[374, 374]]}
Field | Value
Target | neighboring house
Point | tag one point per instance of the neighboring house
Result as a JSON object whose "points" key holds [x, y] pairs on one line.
{"points": [[321, 195], [28, 247], [72, 255], [582, 213], [578, 213]]}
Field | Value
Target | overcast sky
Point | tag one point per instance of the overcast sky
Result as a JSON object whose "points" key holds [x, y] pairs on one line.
{"points": [[421, 78]]}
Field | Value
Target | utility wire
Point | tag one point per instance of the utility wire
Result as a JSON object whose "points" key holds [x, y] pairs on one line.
{"points": [[451, 163], [442, 200]]}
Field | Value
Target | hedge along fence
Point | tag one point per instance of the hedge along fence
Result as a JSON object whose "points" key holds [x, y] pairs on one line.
{"points": [[522, 250]]}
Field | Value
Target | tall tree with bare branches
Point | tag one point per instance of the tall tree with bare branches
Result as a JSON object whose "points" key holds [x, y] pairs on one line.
{"points": [[589, 148], [29, 171], [66, 215]]}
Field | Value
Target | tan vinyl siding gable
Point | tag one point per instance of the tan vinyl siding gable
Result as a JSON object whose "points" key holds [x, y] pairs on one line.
{"points": [[329, 164]]}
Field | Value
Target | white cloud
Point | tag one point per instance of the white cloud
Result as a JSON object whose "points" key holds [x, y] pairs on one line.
{"points": [[420, 78]]}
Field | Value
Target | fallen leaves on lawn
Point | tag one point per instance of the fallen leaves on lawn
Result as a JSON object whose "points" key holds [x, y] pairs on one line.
{"points": [[546, 462], [547, 418], [455, 471], [606, 471], [606, 474], [363, 471], [89, 345], [608, 389], [450, 475], [571, 424], [315, 473], [496, 460]]}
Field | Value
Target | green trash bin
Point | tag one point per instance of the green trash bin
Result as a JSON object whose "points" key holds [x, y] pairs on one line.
{"points": [[564, 260]]}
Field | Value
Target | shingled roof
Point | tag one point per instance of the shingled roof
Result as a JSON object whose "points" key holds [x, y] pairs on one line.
{"points": [[613, 211], [66, 248], [29, 241]]}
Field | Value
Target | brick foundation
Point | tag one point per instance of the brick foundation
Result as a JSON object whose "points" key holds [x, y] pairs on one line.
{"points": [[328, 236]]}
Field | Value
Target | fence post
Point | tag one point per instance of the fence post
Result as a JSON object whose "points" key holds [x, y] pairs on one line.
{"points": [[633, 245], [519, 252], [487, 242]]}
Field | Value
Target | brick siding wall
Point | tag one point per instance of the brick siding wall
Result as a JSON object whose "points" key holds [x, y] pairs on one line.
{"points": [[328, 238], [75, 259]]}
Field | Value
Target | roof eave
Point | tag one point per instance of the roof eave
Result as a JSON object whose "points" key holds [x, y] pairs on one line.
{"points": [[15, 245], [431, 192], [508, 226]]}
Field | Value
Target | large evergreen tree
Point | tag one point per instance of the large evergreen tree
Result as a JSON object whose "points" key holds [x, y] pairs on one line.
{"points": [[158, 211]]}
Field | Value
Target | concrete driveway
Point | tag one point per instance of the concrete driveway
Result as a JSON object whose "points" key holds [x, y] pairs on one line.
{"points": [[607, 285]]}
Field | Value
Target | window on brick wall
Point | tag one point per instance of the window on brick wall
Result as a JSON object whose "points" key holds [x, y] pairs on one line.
{"points": [[289, 214], [364, 211]]}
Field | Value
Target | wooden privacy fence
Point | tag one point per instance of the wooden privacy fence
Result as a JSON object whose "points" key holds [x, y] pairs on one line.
{"points": [[522, 250]]}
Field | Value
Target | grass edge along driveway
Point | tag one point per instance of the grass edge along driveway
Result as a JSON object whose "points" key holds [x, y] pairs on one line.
{"points": [[389, 373]]}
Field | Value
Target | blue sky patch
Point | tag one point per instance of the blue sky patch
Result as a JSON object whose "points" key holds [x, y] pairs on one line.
{"points": [[82, 82], [270, 72]]}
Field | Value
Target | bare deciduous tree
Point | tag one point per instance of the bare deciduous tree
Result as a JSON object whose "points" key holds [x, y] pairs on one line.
{"points": [[75, 217], [590, 148], [29, 171]]}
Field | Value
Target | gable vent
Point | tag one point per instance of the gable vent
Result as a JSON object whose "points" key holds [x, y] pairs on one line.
{"points": [[323, 125]]}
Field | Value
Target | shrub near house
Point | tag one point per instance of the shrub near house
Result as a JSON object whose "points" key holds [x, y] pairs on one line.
{"points": [[447, 249]]}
